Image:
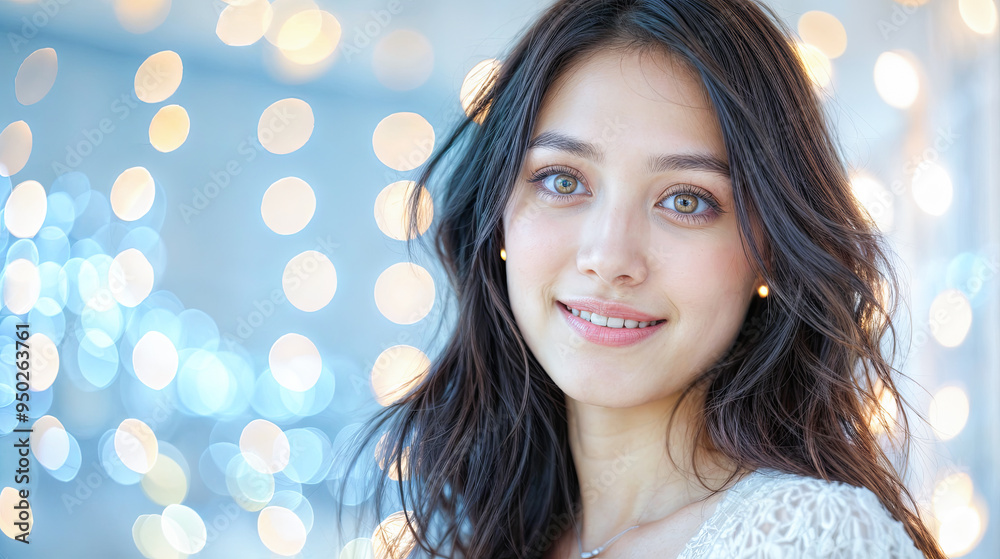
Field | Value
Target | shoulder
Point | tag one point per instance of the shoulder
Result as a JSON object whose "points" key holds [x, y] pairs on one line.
{"points": [[802, 516]]}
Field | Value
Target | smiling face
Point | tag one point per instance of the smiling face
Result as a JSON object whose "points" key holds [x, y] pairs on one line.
{"points": [[624, 197]]}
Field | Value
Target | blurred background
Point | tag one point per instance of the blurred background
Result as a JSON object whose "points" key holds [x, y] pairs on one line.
{"points": [[201, 228]]}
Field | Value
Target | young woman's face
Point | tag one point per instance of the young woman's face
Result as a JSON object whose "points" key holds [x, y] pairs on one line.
{"points": [[630, 164]]}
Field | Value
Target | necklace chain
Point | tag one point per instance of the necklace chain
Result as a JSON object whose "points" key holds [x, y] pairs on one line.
{"points": [[597, 550]]}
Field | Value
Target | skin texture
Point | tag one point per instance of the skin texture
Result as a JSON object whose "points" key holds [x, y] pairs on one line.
{"points": [[623, 235]]}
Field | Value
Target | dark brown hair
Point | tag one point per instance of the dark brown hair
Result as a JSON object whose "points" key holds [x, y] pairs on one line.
{"points": [[489, 471]]}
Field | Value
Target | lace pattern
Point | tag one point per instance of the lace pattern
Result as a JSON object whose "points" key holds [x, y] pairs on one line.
{"points": [[777, 515]]}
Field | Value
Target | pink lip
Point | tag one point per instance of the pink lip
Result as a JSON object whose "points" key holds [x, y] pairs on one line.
{"points": [[603, 335], [608, 308]]}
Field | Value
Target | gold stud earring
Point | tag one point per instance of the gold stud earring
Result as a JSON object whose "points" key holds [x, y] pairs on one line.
{"points": [[762, 291], [503, 254]]}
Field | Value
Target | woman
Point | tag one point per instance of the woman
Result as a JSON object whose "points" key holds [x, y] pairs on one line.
{"points": [[616, 385]]}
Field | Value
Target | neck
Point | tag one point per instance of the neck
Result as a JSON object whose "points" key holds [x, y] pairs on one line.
{"points": [[626, 477]]}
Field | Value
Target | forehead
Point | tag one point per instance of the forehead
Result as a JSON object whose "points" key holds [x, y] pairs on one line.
{"points": [[649, 100]]}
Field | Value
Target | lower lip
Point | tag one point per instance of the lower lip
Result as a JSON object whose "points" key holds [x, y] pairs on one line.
{"points": [[604, 335]]}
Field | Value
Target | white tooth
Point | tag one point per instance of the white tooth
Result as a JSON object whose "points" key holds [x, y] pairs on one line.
{"points": [[616, 322], [575, 312], [631, 324], [643, 324], [585, 315], [598, 319]]}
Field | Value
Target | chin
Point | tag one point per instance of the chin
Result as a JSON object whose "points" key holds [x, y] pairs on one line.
{"points": [[608, 393]]}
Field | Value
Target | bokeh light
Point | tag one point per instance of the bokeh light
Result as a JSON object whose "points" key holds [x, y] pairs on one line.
{"points": [[130, 277], [392, 538], [816, 63], [295, 362], [309, 281], [36, 76], [391, 214], [132, 193], [136, 445], [49, 442], [169, 128], [949, 412], [285, 126], [383, 449], [141, 16], [264, 446], [251, 390], [159, 76], [404, 293], [397, 370], [480, 78], [896, 79], [167, 482], [883, 417], [358, 548], [877, 200], [294, 24], [244, 23], [21, 286], [950, 317], [281, 531], [184, 529], [24, 212], [147, 533], [15, 147], [979, 15], [960, 514], [824, 31], [288, 205], [403, 141], [323, 44], [10, 498], [155, 360], [932, 188], [44, 361], [250, 488]]}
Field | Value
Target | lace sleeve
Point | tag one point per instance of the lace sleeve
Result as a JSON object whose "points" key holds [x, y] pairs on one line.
{"points": [[782, 515], [851, 523]]}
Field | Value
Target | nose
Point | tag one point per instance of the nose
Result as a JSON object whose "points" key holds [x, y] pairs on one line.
{"points": [[613, 244]]}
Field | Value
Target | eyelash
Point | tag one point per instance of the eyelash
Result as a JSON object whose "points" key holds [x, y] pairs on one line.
{"points": [[547, 194]]}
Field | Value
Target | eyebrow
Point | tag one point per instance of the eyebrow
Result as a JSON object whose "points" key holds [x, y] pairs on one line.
{"points": [[655, 164]]}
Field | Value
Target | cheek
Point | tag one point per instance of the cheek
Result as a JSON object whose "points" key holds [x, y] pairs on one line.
{"points": [[537, 247], [538, 253], [712, 293]]}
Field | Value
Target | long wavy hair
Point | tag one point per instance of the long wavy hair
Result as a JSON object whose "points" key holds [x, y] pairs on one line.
{"points": [[478, 449]]}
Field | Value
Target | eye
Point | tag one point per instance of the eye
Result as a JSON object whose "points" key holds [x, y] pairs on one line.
{"points": [[691, 203], [556, 182], [687, 203], [565, 184]]}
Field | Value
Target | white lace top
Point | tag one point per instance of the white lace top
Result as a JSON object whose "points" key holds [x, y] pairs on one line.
{"points": [[777, 515]]}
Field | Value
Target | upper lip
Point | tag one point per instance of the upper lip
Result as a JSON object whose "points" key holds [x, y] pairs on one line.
{"points": [[607, 308]]}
